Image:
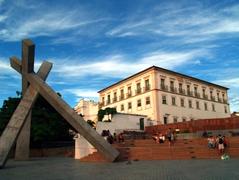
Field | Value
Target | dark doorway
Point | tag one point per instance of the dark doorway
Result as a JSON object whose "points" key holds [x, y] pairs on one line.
{"points": [[165, 120], [141, 123]]}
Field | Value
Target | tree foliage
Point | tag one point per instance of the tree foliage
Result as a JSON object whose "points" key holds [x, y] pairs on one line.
{"points": [[107, 111], [47, 124]]}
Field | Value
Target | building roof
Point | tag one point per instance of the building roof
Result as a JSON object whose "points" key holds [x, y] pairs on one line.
{"points": [[164, 70]]}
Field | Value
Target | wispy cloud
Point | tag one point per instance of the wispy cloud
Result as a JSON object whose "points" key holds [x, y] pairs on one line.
{"points": [[2, 17], [234, 102], [232, 82], [50, 23], [80, 93], [204, 24], [120, 66], [4, 67]]}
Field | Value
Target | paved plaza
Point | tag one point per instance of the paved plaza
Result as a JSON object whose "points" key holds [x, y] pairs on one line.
{"points": [[67, 168]]}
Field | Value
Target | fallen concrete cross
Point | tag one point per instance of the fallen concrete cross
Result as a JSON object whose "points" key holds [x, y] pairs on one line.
{"points": [[73, 118], [32, 85]]}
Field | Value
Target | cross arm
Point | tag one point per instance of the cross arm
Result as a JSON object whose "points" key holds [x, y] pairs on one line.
{"points": [[17, 65]]}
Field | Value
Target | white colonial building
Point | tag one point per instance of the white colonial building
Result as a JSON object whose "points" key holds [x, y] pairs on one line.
{"points": [[87, 108], [166, 96]]}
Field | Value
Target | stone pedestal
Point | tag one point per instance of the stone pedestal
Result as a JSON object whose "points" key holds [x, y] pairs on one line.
{"points": [[82, 147]]}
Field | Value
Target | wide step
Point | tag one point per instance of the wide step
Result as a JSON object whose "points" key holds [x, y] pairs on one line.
{"points": [[148, 149]]}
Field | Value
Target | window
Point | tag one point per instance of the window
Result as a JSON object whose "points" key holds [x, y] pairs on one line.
{"points": [[103, 100], [188, 90], [129, 91], [211, 94], [203, 92], [163, 86], [121, 94], [165, 119], [122, 107], [205, 106], [139, 103], [224, 99], [108, 99], [129, 105], [115, 97], [162, 82], [164, 99], [147, 99], [184, 119], [138, 88], [196, 91], [182, 102], [172, 86], [175, 119], [180, 85], [213, 107], [190, 104], [225, 109], [173, 101], [197, 105], [147, 86]]}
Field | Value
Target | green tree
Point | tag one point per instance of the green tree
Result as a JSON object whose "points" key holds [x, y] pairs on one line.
{"points": [[101, 114], [106, 111], [47, 123], [7, 110]]}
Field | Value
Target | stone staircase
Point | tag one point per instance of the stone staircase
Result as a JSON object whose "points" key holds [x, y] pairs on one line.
{"points": [[147, 149]]}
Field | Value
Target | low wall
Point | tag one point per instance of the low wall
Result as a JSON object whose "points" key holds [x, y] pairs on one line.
{"points": [[121, 122], [197, 125], [53, 152]]}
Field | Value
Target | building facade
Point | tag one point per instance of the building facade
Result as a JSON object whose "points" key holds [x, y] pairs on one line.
{"points": [[87, 108], [166, 96]]}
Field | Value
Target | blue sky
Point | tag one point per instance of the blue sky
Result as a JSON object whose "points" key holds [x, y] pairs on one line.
{"points": [[96, 43]]}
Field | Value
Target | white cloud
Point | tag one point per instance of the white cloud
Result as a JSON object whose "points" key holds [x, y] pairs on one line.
{"points": [[234, 102], [82, 93], [121, 66], [232, 82], [50, 23], [2, 17], [5, 67], [203, 24]]}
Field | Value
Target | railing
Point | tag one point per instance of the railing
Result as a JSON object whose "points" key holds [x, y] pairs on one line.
{"points": [[213, 98], [128, 95], [196, 94], [146, 88], [163, 87], [101, 104], [138, 91], [173, 89], [225, 101], [205, 96], [114, 99], [189, 93], [181, 91], [121, 97]]}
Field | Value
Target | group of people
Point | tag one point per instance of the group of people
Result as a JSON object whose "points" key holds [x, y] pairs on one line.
{"points": [[112, 138], [169, 135], [219, 142]]}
